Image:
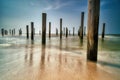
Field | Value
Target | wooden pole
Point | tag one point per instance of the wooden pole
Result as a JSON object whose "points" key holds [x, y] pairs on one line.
{"points": [[82, 24], [56, 32], [84, 31], [66, 32], [5, 32], [32, 31], [14, 31], [103, 31], [44, 28], [49, 29], [93, 22], [27, 31], [20, 32], [73, 31], [2, 32], [60, 28]]}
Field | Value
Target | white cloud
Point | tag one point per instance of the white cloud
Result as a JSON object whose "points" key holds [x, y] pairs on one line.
{"points": [[56, 5]]}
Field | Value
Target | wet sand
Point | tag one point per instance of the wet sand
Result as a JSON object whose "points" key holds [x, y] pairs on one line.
{"points": [[53, 64], [35, 62]]}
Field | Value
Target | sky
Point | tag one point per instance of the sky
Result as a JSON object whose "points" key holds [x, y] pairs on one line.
{"points": [[19, 13]]}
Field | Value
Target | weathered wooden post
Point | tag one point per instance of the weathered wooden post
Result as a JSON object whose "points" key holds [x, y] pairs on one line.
{"points": [[14, 31], [49, 29], [82, 24], [60, 28], [84, 31], [2, 32], [44, 16], [20, 32], [66, 32], [32, 30], [5, 32], [27, 31], [73, 31], [93, 23], [56, 32], [103, 31]]}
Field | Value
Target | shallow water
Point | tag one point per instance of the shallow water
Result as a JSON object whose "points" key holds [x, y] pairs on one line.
{"points": [[22, 59]]}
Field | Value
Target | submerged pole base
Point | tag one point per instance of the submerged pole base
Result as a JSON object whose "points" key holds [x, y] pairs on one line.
{"points": [[91, 57]]}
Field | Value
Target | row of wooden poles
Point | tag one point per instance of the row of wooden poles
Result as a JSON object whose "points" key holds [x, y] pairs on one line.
{"points": [[11, 32], [92, 35], [64, 32], [44, 18]]}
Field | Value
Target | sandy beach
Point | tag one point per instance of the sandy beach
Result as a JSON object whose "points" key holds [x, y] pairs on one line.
{"points": [[55, 61]]}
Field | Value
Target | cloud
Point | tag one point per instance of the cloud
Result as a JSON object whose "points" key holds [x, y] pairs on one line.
{"points": [[56, 5]]}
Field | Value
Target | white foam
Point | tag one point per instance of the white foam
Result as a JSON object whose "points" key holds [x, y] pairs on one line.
{"points": [[5, 45]]}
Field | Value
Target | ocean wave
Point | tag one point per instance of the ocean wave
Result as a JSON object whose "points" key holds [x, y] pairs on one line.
{"points": [[5, 45]]}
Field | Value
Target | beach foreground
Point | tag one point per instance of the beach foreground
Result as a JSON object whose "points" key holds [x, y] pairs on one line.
{"points": [[55, 61]]}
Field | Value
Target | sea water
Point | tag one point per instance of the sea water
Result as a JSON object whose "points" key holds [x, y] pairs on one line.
{"points": [[15, 50]]}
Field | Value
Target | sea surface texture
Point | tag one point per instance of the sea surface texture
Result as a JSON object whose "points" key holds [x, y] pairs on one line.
{"points": [[22, 59]]}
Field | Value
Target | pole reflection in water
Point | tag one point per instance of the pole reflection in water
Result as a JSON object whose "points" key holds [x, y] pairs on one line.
{"points": [[29, 52], [26, 50], [42, 62], [49, 46], [63, 59], [49, 43], [60, 44], [55, 61], [60, 57]]}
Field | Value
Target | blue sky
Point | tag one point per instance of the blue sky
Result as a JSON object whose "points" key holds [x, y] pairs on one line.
{"points": [[19, 13]]}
